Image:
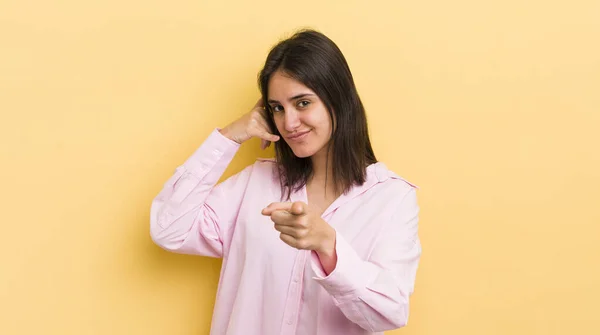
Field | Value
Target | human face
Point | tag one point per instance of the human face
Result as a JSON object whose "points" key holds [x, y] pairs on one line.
{"points": [[299, 114]]}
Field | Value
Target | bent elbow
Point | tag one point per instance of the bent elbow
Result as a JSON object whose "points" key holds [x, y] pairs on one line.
{"points": [[394, 320], [156, 237], [158, 234], [399, 322], [163, 240], [400, 318]]}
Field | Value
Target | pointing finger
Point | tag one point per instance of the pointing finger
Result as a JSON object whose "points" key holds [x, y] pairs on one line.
{"points": [[286, 206]]}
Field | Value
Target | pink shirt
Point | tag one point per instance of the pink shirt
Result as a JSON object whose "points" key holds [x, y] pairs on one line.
{"points": [[267, 287]]}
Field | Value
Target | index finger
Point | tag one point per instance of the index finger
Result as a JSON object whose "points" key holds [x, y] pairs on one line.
{"points": [[275, 206]]}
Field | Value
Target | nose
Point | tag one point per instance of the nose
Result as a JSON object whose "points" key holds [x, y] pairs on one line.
{"points": [[291, 121]]}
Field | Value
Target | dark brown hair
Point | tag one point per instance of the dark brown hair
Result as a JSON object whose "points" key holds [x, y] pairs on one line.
{"points": [[316, 61]]}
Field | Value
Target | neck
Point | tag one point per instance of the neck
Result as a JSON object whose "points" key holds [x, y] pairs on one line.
{"points": [[323, 171]]}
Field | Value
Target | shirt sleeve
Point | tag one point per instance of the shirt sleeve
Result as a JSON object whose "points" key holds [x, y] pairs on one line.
{"points": [[374, 293], [192, 214]]}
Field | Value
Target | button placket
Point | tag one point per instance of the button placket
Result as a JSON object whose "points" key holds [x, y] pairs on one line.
{"points": [[293, 301]]}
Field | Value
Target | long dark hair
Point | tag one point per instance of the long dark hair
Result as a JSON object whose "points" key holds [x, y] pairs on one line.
{"points": [[316, 61]]}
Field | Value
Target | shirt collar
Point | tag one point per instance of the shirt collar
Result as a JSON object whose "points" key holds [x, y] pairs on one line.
{"points": [[376, 173]]}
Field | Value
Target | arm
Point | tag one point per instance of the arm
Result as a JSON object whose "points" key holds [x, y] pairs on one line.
{"points": [[375, 294], [192, 214]]}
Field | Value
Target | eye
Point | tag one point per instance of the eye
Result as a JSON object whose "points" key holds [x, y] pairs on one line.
{"points": [[276, 108], [303, 103]]}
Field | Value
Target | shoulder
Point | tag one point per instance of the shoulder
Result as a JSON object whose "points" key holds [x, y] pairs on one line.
{"points": [[386, 176], [261, 165], [263, 168], [400, 193], [265, 160], [267, 164], [391, 185]]}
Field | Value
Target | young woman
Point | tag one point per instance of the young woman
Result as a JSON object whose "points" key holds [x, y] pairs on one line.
{"points": [[320, 240]]}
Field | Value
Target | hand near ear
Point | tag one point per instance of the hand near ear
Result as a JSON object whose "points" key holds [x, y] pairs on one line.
{"points": [[252, 124]]}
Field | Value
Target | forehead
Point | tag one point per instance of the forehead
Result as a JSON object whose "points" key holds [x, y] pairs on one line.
{"points": [[283, 87]]}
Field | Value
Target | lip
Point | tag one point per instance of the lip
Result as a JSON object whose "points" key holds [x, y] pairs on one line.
{"points": [[298, 136]]}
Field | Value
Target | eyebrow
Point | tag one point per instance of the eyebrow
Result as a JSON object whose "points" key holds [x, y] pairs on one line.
{"points": [[292, 98]]}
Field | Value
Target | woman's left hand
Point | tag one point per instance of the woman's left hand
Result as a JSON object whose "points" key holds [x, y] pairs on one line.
{"points": [[301, 228]]}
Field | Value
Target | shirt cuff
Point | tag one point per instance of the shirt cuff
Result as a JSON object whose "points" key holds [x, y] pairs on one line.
{"points": [[215, 148], [350, 276]]}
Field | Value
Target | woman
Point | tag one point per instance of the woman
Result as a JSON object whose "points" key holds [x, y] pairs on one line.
{"points": [[320, 240]]}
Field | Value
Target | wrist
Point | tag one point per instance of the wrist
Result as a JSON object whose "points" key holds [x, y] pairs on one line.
{"points": [[326, 253], [327, 247], [227, 133]]}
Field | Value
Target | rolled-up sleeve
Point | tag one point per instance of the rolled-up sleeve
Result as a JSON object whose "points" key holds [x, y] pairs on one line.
{"points": [[374, 293]]}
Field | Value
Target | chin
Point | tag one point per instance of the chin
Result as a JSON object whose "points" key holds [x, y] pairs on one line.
{"points": [[302, 152]]}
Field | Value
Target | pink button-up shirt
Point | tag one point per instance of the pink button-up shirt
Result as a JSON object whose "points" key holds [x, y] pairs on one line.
{"points": [[267, 287]]}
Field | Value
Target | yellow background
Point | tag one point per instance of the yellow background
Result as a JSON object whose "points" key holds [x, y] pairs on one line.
{"points": [[493, 108]]}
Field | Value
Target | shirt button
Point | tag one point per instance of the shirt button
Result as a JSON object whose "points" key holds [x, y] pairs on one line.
{"points": [[295, 279], [289, 322]]}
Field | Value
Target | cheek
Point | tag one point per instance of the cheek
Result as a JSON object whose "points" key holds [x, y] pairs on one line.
{"points": [[323, 121], [278, 121]]}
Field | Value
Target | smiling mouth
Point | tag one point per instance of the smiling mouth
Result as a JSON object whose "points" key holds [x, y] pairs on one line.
{"points": [[298, 135]]}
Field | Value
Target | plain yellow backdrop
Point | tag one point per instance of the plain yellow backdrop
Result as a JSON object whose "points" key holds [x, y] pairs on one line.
{"points": [[491, 107]]}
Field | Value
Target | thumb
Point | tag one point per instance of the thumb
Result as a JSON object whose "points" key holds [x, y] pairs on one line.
{"points": [[298, 208]]}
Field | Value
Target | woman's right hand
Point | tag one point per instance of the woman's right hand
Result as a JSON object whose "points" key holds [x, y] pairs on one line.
{"points": [[251, 124]]}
